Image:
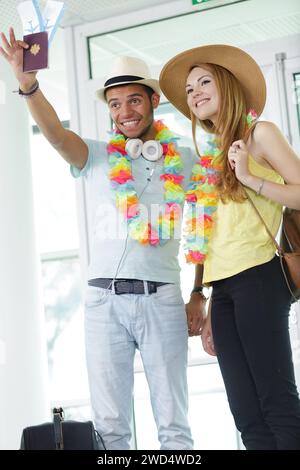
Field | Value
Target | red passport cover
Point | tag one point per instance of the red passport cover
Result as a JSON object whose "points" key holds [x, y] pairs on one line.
{"points": [[36, 56]]}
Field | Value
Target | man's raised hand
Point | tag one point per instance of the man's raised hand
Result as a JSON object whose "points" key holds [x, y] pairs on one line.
{"points": [[12, 51]]}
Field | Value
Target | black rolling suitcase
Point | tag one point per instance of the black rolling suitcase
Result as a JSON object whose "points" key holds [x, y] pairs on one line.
{"points": [[62, 435]]}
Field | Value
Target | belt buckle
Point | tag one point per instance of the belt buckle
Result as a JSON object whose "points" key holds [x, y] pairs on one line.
{"points": [[116, 284], [128, 287]]}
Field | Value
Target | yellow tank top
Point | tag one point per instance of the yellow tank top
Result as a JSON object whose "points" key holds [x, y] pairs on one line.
{"points": [[239, 240]]}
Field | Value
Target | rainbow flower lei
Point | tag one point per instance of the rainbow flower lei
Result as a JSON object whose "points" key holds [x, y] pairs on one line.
{"points": [[202, 199], [126, 197]]}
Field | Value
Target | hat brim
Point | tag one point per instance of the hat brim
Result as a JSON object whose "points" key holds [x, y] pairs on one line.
{"points": [[150, 82], [173, 76]]}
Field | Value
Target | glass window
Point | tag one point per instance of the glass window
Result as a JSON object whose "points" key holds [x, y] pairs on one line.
{"points": [[65, 330], [297, 95], [177, 122], [228, 22], [54, 198], [58, 244]]}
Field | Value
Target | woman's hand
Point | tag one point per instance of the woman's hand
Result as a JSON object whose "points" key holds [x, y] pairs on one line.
{"points": [[206, 335], [13, 53], [207, 339], [238, 160]]}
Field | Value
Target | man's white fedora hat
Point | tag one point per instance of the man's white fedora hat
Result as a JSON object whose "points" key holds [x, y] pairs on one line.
{"points": [[127, 70]]}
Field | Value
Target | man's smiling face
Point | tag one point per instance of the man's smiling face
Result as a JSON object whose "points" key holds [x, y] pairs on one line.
{"points": [[131, 109]]}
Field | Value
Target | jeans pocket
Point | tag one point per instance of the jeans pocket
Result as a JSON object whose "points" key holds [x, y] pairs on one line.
{"points": [[169, 294], [95, 296]]}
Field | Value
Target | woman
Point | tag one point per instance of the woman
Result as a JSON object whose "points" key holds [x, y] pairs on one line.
{"points": [[247, 326]]}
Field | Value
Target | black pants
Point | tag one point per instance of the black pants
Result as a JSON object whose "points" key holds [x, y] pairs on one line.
{"points": [[250, 330]]}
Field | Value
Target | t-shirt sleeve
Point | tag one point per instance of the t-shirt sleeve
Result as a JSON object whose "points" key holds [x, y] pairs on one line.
{"points": [[96, 149]]}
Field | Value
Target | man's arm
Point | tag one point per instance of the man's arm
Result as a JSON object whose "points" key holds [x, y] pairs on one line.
{"points": [[195, 308], [198, 275], [70, 146]]}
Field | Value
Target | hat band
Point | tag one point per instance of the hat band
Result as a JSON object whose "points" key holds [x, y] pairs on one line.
{"points": [[122, 78]]}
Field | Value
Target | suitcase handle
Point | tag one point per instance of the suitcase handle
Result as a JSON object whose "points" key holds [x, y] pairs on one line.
{"points": [[58, 417]]}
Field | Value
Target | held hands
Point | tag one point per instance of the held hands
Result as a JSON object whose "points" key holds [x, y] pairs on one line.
{"points": [[12, 51], [238, 160], [195, 312], [198, 324]]}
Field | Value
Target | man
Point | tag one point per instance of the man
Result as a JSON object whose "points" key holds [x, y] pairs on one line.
{"points": [[133, 298]]}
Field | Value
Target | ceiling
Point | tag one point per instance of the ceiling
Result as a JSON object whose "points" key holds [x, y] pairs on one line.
{"points": [[77, 11], [243, 20], [248, 20]]}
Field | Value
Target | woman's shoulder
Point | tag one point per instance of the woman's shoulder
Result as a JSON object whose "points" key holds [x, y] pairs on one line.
{"points": [[269, 145], [265, 138], [265, 130]]}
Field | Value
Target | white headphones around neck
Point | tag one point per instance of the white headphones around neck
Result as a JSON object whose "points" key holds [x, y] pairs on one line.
{"points": [[151, 150]]}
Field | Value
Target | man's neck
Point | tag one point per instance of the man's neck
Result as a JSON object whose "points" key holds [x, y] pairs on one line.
{"points": [[149, 133]]}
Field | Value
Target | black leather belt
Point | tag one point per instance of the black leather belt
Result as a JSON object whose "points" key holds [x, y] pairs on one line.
{"points": [[126, 286]]}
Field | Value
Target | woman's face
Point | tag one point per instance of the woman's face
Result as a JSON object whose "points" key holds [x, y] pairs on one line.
{"points": [[202, 94]]}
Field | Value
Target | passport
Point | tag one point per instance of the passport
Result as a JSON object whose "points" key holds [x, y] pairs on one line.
{"points": [[36, 56]]}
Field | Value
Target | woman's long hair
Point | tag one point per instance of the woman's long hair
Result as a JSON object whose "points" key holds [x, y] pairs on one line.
{"points": [[231, 125]]}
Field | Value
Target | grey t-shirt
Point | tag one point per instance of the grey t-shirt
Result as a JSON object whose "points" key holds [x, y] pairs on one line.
{"points": [[114, 254]]}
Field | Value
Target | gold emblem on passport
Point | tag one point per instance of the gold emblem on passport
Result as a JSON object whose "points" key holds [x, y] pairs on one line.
{"points": [[35, 49]]}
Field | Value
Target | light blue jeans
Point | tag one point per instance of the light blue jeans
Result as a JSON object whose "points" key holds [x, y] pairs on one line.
{"points": [[115, 325]]}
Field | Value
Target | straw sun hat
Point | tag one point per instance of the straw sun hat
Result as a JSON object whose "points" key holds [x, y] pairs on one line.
{"points": [[173, 76]]}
